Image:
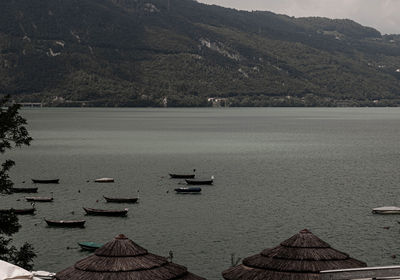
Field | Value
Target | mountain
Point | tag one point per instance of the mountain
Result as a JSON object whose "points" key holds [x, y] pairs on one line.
{"points": [[147, 52]]}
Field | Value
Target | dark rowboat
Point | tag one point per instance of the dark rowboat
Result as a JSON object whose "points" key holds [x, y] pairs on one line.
{"points": [[182, 176], [24, 190], [121, 199], [51, 181], [101, 212], [199, 182], [26, 211], [188, 190], [39, 199], [89, 246], [65, 223]]}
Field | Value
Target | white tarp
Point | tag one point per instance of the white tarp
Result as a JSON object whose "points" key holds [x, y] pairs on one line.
{"points": [[9, 271]]}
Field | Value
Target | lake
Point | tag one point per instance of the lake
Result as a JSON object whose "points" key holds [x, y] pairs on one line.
{"points": [[277, 171]]}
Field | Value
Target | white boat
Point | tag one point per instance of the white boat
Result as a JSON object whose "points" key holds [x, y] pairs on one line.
{"points": [[45, 275], [386, 210], [104, 180]]}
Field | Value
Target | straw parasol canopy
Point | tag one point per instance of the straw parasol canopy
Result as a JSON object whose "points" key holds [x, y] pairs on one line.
{"points": [[122, 259], [301, 257]]}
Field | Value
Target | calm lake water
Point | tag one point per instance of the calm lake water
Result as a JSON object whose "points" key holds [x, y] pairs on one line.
{"points": [[277, 171]]}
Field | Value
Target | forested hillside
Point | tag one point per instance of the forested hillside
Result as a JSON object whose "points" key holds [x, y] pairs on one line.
{"points": [[180, 52]]}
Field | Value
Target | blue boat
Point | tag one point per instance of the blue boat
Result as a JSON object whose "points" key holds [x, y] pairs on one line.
{"points": [[89, 246], [188, 190]]}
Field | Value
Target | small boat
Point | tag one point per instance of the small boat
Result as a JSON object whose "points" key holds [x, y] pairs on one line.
{"points": [[104, 180], [182, 176], [200, 182], [24, 190], [188, 190], [102, 212], [65, 223], [49, 181], [121, 199], [386, 210], [44, 275], [39, 198], [89, 246], [26, 211]]}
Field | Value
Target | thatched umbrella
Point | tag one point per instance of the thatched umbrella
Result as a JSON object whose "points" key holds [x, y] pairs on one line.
{"points": [[122, 259], [301, 257]]}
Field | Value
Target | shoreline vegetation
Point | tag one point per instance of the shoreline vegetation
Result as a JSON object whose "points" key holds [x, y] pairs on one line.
{"points": [[238, 101]]}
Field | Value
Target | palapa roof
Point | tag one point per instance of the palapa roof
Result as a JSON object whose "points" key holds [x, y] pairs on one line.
{"points": [[300, 257], [122, 259]]}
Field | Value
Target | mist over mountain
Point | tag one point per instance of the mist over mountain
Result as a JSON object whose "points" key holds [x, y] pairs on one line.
{"points": [[148, 52]]}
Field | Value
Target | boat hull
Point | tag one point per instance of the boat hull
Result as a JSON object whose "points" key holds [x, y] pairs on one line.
{"points": [[188, 190], [104, 180], [62, 223], [24, 190], [51, 181], [101, 212], [199, 182], [386, 210], [182, 176], [121, 200], [39, 199], [89, 246]]}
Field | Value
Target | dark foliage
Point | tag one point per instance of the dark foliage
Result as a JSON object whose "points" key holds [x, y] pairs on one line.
{"points": [[12, 134]]}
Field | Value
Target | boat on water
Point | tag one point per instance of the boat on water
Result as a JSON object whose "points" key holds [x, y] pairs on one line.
{"points": [[193, 190], [200, 182], [121, 199], [65, 223], [386, 210], [39, 198], [45, 181], [104, 180], [26, 211], [182, 176], [89, 246], [24, 190], [44, 275], [103, 212]]}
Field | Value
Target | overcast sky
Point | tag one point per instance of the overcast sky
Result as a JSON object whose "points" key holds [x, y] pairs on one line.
{"points": [[384, 15]]}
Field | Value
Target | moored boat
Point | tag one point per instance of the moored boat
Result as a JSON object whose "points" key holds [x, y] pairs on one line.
{"points": [[39, 198], [103, 212], [188, 190], [104, 180], [45, 181], [89, 246], [200, 182], [65, 223], [24, 190], [386, 210], [182, 176], [121, 199], [25, 211]]}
